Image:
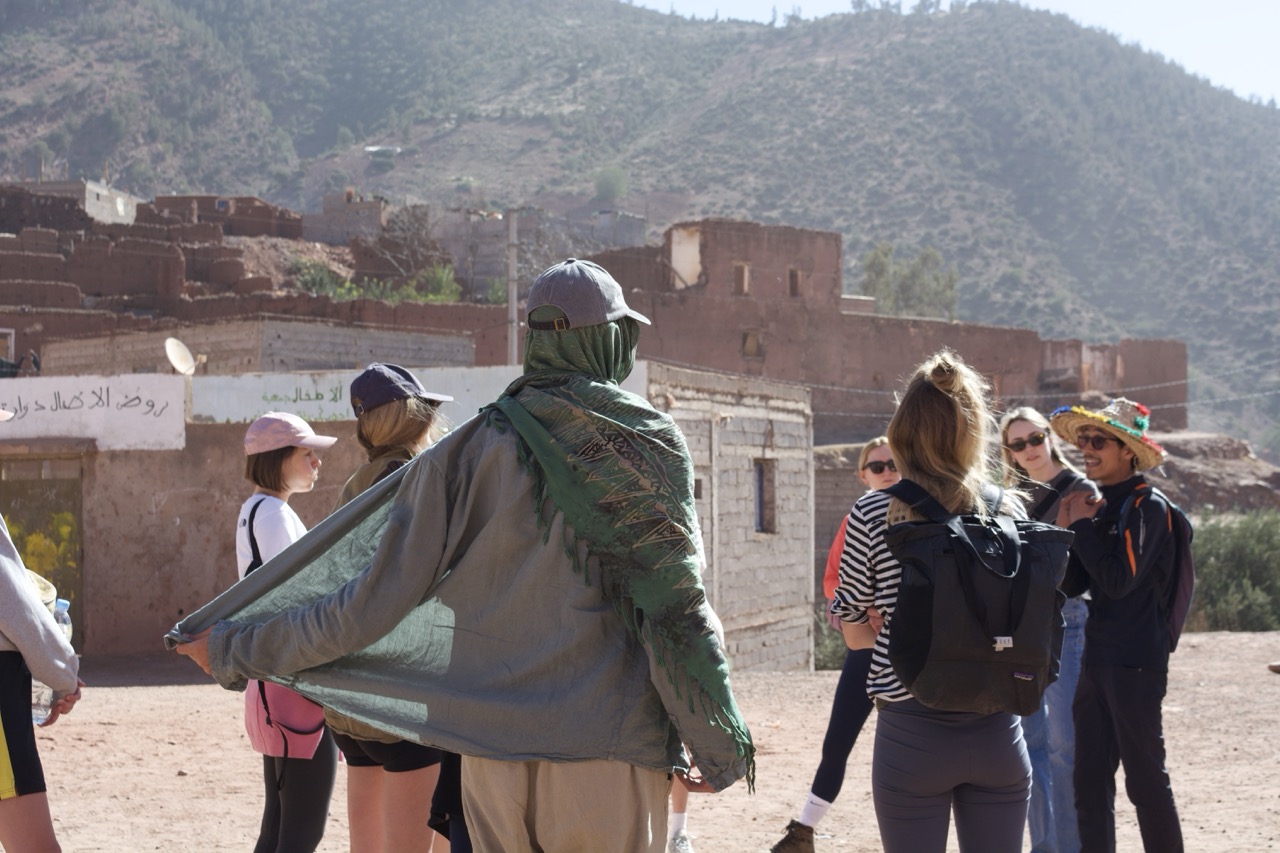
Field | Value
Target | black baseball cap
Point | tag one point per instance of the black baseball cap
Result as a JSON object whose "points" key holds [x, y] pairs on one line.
{"points": [[380, 384]]}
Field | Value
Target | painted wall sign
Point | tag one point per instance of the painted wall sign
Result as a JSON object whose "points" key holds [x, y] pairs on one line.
{"points": [[325, 395], [137, 411]]}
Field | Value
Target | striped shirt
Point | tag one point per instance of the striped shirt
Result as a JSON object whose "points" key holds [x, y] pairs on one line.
{"points": [[869, 576]]}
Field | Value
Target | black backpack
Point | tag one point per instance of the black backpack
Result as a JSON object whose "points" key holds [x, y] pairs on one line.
{"points": [[1175, 598], [978, 623]]}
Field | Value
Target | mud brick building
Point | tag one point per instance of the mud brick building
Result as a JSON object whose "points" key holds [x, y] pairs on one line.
{"points": [[755, 350]]}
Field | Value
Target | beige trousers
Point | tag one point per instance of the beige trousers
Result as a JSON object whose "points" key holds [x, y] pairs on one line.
{"points": [[564, 807]]}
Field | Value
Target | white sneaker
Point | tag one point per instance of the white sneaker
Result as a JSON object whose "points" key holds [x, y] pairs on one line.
{"points": [[680, 843]]}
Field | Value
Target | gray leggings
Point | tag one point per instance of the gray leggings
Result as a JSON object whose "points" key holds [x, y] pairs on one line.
{"points": [[927, 763]]}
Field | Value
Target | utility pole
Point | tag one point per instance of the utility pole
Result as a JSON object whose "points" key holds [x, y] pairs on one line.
{"points": [[513, 312]]}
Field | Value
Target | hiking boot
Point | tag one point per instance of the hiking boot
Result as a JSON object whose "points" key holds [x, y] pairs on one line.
{"points": [[680, 843], [799, 839]]}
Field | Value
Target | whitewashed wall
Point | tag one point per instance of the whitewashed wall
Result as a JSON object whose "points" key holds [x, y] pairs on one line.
{"points": [[325, 395], [147, 411], [137, 411]]}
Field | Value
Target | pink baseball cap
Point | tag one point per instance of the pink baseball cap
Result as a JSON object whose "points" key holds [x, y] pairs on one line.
{"points": [[275, 430]]}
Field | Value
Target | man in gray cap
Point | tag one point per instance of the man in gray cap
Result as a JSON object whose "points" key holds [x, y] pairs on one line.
{"points": [[535, 600]]}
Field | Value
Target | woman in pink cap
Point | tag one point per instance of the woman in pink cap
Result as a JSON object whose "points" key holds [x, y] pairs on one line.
{"points": [[299, 757]]}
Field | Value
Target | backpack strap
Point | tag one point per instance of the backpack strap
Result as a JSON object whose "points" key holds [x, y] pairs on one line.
{"points": [[1006, 562], [1052, 493], [1174, 601], [253, 546], [914, 495]]}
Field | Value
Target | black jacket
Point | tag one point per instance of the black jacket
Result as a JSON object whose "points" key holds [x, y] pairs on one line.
{"points": [[1128, 574]]}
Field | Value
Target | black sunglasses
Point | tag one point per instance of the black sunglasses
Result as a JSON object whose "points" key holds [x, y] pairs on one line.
{"points": [[878, 467], [1018, 445], [1097, 442]]}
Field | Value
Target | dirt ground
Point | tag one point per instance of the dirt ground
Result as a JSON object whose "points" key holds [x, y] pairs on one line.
{"points": [[155, 758]]}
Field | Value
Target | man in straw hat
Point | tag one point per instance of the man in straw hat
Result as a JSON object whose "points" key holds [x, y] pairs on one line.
{"points": [[1128, 573]]}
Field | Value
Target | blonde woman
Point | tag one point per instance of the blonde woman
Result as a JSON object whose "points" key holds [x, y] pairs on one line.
{"points": [[850, 706], [390, 782], [928, 763], [1036, 465]]}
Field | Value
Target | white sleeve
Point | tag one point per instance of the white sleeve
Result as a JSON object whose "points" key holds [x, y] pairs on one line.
{"points": [[27, 626]]}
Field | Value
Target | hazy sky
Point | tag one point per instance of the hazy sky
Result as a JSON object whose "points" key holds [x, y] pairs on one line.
{"points": [[1232, 43]]}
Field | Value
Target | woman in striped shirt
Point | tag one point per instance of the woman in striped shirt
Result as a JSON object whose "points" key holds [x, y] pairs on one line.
{"points": [[927, 763]]}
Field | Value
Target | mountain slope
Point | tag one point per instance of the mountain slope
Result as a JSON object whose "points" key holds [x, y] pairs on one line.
{"points": [[1080, 187]]}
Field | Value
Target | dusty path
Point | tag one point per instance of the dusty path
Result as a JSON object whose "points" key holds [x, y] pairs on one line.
{"points": [[155, 758]]}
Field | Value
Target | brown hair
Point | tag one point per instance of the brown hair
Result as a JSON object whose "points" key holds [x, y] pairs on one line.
{"points": [[410, 424], [941, 432], [266, 470], [1014, 473]]}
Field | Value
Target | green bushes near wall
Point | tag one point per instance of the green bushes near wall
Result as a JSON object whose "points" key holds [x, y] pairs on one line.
{"points": [[1238, 573]]}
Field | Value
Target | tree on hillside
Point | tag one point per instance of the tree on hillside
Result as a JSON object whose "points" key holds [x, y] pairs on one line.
{"points": [[920, 287], [611, 184]]}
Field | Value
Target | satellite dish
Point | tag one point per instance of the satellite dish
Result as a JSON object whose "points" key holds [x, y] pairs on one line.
{"points": [[179, 356]]}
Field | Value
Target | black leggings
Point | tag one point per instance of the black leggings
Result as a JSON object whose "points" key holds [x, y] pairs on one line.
{"points": [[446, 805], [298, 791], [849, 711]]}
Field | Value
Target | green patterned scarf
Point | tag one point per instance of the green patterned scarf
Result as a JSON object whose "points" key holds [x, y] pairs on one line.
{"points": [[620, 473]]}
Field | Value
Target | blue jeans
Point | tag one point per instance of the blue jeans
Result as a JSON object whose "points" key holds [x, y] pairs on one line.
{"points": [[1051, 743]]}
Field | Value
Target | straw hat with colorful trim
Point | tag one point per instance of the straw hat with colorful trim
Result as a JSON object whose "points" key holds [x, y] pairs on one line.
{"points": [[1123, 418]]}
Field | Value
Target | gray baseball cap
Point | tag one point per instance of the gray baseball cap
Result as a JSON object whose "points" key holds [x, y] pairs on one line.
{"points": [[584, 291]]}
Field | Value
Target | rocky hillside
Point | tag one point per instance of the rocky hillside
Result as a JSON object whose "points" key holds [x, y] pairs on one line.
{"points": [[1079, 186], [1206, 471]]}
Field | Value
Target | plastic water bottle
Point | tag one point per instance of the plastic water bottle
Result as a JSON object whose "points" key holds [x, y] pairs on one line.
{"points": [[42, 697], [62, 615]]}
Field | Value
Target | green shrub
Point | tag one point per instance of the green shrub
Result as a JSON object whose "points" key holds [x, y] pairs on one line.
{"points": [[1237, 573], [611, 184], [828, 645], [315, 277], [496, 292], [437, 284]]}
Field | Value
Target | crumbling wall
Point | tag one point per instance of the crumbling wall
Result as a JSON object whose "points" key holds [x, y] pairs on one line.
{"points": [[162, 232], [216, 264], [30, 266], [20, 208], [44, 294], [103, 268], [344, 217]]}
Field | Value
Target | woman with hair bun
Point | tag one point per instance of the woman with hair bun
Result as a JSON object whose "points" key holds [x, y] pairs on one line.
{"points": [[926, 763]]}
